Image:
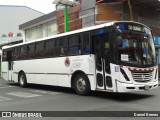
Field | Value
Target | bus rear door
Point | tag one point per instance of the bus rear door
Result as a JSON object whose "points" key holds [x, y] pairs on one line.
{"points": [[10, 64]]}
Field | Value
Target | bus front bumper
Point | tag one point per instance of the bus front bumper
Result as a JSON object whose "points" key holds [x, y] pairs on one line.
{"points": [[124, 87]]}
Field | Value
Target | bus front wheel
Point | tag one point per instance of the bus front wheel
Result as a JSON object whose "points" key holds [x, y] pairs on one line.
{"points": [[81, 84], [22, 80]]}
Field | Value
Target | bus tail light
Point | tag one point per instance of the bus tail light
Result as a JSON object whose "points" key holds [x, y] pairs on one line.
{"points": [[124, 74]]}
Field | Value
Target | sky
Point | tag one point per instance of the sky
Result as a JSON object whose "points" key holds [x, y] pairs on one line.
{"points": [[44, 6]]}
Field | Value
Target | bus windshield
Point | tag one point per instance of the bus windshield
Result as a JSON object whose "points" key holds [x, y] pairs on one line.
{"points": [[135, 46]]}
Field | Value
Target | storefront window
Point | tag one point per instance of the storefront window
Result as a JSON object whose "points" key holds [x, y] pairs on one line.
{"points": [[34, 33], [41, 31]]}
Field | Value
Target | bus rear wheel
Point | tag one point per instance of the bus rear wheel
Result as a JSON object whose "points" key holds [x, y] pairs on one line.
{"points": [[22, 80], [81, 84]]}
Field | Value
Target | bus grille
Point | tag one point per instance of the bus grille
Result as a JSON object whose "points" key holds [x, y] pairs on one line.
{"points": [[142, 76]]}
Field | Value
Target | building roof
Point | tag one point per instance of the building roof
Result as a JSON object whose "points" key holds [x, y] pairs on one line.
{"points": [[12, 16], [20, 6], [40, 19]]}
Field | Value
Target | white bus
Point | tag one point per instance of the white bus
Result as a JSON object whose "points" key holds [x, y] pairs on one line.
{"points": [[115, 57]]}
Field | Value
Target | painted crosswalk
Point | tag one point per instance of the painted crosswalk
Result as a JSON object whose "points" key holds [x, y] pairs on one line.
{"points": [[12, 92], [6, 86], [4, 98], [23, 94], [46, 92]]}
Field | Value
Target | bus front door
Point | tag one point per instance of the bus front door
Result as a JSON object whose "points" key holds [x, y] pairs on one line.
{"points": [[100, 45], [10, 65]]}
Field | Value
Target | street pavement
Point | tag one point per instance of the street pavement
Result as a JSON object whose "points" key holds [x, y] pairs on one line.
{"points": [[49, 98]]}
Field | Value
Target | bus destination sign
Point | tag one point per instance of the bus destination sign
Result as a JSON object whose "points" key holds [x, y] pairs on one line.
{"points": [[130, 27], [135, 28]]}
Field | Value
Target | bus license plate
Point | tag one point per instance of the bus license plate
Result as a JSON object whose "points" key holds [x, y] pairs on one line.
{"points": [[146, 87]]}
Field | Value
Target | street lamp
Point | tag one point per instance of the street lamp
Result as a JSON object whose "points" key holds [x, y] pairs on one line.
{"points": [[66, 3]]}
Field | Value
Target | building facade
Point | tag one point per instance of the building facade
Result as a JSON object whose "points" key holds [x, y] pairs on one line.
{"points": [[40, 27], [11, 18], [93, 12]]}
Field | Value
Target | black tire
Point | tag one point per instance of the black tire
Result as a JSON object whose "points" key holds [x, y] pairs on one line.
{"points": [[22, 80], [81, 84]]}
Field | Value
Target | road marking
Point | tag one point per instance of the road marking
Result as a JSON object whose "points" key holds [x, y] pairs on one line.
{"points": [[46, 92], [23, 94], [7, 86], [4, 98]]}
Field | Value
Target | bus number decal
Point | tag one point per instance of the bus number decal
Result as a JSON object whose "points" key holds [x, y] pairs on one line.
{"points": [[116, 68]]}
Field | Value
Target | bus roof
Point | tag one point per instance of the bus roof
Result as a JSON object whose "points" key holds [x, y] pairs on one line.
{"points": [[73, 32]]}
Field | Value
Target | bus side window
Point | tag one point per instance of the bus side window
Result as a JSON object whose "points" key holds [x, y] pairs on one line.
{"points": [[30, 50], [22, 51], [16, 53], [59, 43], [50, 48], [4, 58], [64, 51], [74, 45], [86, 46], [40, 46], [61, 47], [39, 49]]}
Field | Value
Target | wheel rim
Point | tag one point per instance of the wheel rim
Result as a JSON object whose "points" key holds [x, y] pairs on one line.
{"points": [[22, 80], [81, 85]]}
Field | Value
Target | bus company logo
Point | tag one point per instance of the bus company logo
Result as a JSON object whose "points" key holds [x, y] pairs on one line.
{"points": [[67, 62], [143, 77]]}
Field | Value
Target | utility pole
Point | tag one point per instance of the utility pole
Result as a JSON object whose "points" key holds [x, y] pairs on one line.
{"points": [[66, 3], [66, 19], [130, 10]]}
